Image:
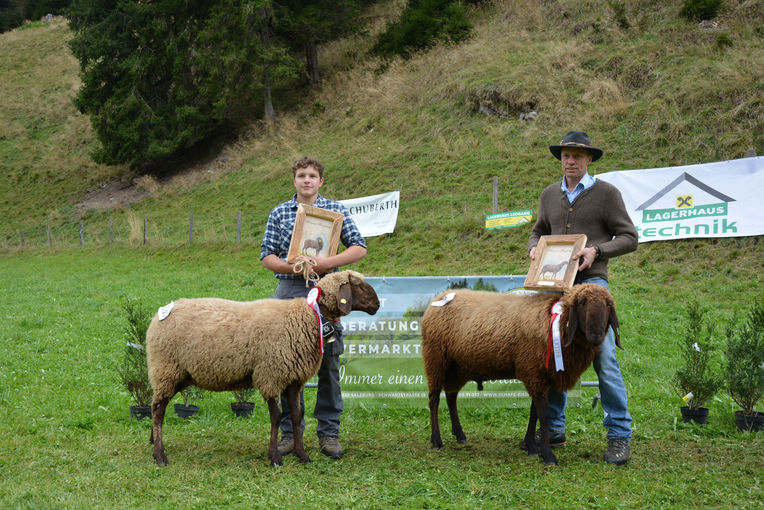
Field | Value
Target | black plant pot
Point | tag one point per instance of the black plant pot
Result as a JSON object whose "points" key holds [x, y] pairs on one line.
{"points": [[185, 412], [242, 409], [140, 412], [699, 415], [753, 422]]}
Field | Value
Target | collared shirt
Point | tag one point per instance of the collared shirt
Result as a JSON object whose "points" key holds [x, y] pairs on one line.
{"points": [[278, 230], [587, 181]]}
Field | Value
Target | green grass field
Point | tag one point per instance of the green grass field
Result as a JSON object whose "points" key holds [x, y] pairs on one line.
{"points": [[663, 91], [68, 441]]}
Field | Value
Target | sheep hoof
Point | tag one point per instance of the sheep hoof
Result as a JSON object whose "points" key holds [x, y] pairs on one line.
{"points": [[437, 445], [162, 461], [462, 440]]}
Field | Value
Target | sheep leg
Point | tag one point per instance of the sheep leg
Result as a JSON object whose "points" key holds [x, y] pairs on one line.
{"points": [[435, 439], [275, 414], [453, 412], [157, 413], [293, 397], [540, 408]]}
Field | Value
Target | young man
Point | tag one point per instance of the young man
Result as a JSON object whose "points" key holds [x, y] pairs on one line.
{"points": [[582, 204], [308, 177]]}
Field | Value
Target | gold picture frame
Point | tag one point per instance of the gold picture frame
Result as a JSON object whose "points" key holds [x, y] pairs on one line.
{"points": [[554, 267], [316, 233]]}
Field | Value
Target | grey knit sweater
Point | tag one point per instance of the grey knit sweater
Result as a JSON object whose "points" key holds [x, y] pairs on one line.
{"points": [[598, 212]]}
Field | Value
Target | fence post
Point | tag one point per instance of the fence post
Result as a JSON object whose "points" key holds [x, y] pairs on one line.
{"points": [[111, 229], [47, 233], [238, 227], [191, 228], [145, 225], [495, 194], [82, 233]]}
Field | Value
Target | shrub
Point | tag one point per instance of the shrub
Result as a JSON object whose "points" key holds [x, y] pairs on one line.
{"points": [[697, 376], [421, 24], [697, 10], [134, 372], [191, 395], [243, 396], [745, 359]]}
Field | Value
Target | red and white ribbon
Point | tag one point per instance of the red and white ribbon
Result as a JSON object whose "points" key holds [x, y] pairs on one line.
{"points": [[312, 301], [554, 338]]}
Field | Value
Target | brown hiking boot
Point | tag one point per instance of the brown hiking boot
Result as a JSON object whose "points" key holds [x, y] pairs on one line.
{"points": [[286, 445], [330, 446], [618, 450]]}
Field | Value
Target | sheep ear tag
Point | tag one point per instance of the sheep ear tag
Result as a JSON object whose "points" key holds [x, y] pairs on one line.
{"points": [[312, 300], [444, 300], [165, 310]]}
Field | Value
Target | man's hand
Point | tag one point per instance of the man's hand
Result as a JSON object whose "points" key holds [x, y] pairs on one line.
{"points": [[588, 254]]}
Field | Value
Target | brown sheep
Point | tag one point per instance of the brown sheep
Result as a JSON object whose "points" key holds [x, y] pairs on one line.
{"points": [[268, 344], [316, 244], [482, 336], [552, 268]]}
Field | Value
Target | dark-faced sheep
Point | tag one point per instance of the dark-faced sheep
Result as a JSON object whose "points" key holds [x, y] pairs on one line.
{"points": [[268, 344], [316, 244], [481, 336], [552, 268]]}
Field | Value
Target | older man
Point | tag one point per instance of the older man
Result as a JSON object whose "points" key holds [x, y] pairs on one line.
{"points": [[582, 204]]}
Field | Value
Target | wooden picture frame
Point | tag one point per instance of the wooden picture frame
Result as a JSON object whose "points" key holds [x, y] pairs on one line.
{"points": [[316, 233], [554, 267]]}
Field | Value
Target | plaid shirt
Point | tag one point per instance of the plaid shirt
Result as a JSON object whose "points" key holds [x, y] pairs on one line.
{"points": [[278, 230]]}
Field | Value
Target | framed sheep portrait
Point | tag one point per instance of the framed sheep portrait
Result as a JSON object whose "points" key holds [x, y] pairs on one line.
{"points": [[554, 267], [316, 233]]}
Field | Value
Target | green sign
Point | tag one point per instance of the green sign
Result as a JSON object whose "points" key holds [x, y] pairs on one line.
{"points": [[508, 219]]}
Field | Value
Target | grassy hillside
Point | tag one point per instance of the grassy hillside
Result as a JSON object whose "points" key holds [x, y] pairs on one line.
{"points": [[662, 91]]}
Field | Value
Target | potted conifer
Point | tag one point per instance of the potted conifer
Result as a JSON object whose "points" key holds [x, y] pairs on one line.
{"points": [[697, 379], [242, 407], [190, 395], [745, 367], [133, 372]]}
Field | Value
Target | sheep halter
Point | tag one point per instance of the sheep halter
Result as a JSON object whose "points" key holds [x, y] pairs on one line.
{"points": [[554, 338], [312, 301]]}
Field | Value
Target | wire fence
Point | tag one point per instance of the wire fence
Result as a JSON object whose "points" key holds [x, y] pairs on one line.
{"points": [[136, 230]]}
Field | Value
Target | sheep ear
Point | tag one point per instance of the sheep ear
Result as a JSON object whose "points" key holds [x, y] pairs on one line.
{"points": [[572, 325], [345, 299], [613, 321]]}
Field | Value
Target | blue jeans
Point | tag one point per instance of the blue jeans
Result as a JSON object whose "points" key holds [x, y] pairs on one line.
{"points": [[612, 390]]}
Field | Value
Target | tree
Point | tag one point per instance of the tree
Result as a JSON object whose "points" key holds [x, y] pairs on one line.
{"points": [[306, 24], [160, 76], [422, 24]]}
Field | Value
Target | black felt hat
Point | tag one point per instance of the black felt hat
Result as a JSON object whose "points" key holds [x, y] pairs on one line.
{"points": [[576, 140]]}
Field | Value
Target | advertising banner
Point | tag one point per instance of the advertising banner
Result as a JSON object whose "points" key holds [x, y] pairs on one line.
{"points": [[719, 199], [382, 363], [374, 215]]}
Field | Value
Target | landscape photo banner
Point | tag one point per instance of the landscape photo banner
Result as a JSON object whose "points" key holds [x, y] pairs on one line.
{"points": [[376, 214], [720, 199], [382, 363]]}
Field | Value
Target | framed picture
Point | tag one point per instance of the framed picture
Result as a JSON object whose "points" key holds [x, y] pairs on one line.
{"points": [[554, 267], [316, 233]]}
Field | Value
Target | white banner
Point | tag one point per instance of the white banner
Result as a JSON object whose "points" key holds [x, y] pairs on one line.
{"points": [[375, 215], [721, 199]]}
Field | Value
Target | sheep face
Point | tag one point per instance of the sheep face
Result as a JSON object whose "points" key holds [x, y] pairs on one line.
{"points": [[352, 293], [591, 311]]}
